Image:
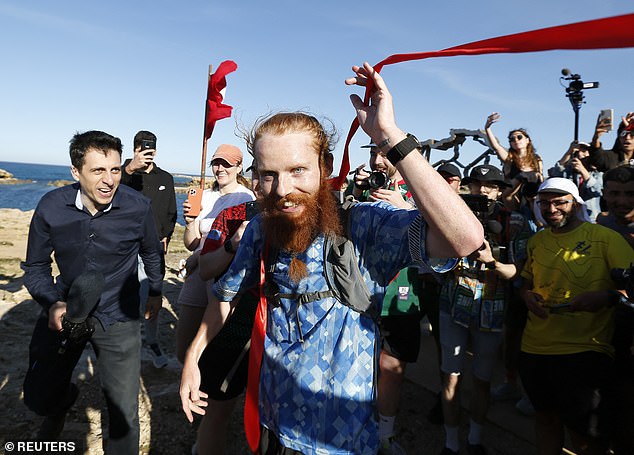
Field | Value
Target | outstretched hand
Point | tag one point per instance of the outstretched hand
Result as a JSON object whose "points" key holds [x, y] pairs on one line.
{"points": [[491, 119], [192, 398], [377, 117]]}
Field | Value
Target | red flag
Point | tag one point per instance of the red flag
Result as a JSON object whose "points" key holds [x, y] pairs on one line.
{"points": [[215, 109], [612, 32]]}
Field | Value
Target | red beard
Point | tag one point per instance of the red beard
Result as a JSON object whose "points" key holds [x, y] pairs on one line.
{"points": [[295, 232]]}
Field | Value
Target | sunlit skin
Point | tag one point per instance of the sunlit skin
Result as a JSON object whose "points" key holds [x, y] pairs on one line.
{"points": [[225, 173], [619, 198], [519, 141], [287, 164], [559, 211], [98, 178], [379, 162], [627, 141]]}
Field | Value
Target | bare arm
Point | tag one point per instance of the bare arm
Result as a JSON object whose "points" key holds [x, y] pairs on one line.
{"points": [[504, 271], [453, 230], [192, 399], [495, 144]]}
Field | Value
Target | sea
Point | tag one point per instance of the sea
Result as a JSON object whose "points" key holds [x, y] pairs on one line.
{"points": [[25, 196]]}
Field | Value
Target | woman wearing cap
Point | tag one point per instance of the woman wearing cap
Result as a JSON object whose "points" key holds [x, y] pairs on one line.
{"points": [[521, 164], [230, 188]]}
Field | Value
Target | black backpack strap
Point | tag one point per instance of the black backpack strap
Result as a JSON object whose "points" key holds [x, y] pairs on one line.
{"points": [[272, 290]]}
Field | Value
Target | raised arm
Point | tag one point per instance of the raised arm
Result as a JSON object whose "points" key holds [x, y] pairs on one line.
{"points": [[453, 230], [495, 144]]}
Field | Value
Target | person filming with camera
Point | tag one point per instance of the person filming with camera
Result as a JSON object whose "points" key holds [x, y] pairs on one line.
{"points": [[472, 304], [401, 313]]}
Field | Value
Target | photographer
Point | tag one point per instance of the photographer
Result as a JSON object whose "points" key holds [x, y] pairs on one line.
{"points": [[472, 303], [384, 183], [575, 165], [142, 174], [623, 150], [401, 313]]}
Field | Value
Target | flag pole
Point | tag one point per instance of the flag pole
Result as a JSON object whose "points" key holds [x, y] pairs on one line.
{"points": [[203, 164]]}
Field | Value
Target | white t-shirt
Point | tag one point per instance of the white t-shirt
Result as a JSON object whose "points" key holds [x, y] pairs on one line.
{"points": [[213, 203]]}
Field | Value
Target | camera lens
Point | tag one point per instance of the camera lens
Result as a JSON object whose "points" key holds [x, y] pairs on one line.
{"points": [[378, 179]]}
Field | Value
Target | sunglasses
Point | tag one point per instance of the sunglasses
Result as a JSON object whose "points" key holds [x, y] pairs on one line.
{"points": [[223, 163], [517, 137], [627, 133]]}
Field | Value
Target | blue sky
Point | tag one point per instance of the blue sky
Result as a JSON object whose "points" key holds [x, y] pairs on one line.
{"points": [[123, 66]]}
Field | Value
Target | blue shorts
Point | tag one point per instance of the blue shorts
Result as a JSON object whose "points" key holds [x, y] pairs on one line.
{"points": [[485, 347]]}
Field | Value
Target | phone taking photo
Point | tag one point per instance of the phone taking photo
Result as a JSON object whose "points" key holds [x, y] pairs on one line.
{"points": [[607, 114], [148, 145], [251, 209]]}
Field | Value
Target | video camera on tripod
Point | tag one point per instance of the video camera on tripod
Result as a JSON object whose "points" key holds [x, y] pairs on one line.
{"points": [[574, 93]]}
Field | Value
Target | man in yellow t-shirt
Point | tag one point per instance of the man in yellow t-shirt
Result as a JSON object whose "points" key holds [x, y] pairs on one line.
{"points": [[566, 360]]}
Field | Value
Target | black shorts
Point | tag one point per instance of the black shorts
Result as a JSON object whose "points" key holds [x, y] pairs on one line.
{"points": [[400, 336], [577, 387], [224, 363]]}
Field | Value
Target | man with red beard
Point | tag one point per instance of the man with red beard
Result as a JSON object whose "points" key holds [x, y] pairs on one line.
{"points": [[567, 356], [318, 370]]}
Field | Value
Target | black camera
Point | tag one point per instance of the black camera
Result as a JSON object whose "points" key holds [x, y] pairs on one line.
{"points": [[479, 204], [376, 180], [148, 145], [486, 211]]}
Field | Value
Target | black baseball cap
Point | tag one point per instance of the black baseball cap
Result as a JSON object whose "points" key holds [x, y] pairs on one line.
{"points": [[486, 173], [450, 169]]}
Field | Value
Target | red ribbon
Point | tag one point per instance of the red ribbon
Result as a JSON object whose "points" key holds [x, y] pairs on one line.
{"points": [[251, 410], [608, 33]]}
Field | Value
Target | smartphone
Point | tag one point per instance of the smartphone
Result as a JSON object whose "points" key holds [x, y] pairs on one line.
{"points": [[609, 115], [252, 209], [146, 145], [194, 197]]}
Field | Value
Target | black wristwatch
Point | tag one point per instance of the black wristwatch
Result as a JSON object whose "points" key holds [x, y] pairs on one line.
{"points": [[402, 149], [491, 265], [229, 247]]}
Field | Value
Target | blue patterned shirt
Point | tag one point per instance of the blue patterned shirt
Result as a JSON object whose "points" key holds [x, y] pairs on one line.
{"points": [[318, 374]]}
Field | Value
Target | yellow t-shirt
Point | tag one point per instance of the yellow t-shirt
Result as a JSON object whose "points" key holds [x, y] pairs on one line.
{"points": [[562, 266]]}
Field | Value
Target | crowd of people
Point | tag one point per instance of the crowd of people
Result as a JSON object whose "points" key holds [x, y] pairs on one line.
{"points": [[312, 305]]}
